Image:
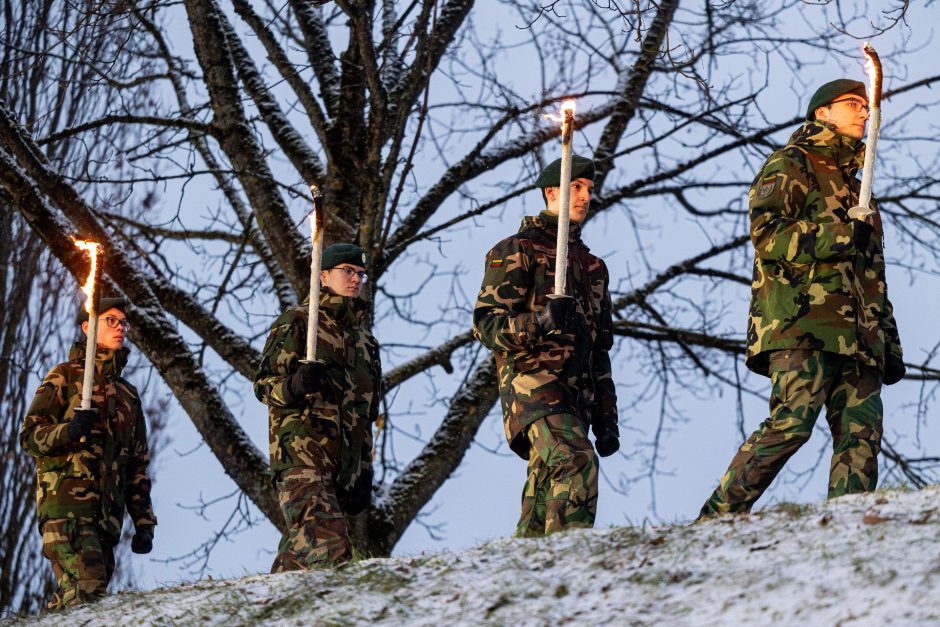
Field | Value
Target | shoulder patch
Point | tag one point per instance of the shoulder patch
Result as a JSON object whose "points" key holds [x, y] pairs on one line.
{"points": [[496, 263], [767, 186]]}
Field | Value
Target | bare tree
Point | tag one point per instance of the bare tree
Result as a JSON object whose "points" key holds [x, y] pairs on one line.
{"points": [[405, 116], [27, 338], [37, 297]]}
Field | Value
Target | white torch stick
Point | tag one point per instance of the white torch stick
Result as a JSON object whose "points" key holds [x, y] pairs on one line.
{"points": [[316, 241], [564, 197], [90, 288], [873, 66]]}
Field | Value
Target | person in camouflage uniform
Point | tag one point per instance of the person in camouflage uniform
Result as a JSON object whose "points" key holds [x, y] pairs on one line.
{"points": [[552, 357], [91, 463], [321, 415], [820, 323]]}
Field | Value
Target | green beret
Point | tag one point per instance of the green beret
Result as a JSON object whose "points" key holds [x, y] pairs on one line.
{"points": [[832, 90], [581, 168], [342, 253], [115, 302]]}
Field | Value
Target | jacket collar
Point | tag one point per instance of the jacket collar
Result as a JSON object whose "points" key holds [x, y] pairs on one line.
{"points": [[108, 362], [822, 138], [548, 222], [343, 309]]}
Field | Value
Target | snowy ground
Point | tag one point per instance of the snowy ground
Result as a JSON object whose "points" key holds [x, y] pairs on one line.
{"points": [[861, 560]]}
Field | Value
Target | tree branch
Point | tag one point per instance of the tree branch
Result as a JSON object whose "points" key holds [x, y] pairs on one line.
{"points": [[108, 120], [291, 142], [472, 165], [240, 146], [265, 101], [319, 52], [439, 356], [412, 490], [281, 286], [640, 294], [662, 333]]}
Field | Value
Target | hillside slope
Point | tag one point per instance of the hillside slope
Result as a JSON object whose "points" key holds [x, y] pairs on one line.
{"points": [[860, 560]]}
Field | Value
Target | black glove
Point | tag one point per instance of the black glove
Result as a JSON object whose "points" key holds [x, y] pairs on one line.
{"points": [[606, 438], [559, 314], [356, 500], [142, 541], [81, 423], [863, 231], [894, 370], [309, 376]]}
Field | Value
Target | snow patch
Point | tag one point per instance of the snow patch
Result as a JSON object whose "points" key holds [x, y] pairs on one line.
{"points": [[859, 560]]}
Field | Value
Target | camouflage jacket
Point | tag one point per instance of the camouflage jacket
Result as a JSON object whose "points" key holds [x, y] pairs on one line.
{"points": [[96, 479], [333, 429], [812, 287], [558, 373]]}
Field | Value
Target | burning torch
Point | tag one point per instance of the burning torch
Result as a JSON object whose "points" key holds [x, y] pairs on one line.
{"points": [[92, 297], [873, 67], [561, 243], [316, 240]]}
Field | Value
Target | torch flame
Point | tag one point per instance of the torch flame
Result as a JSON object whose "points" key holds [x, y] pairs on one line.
{"points": [[567, 105], [873, 68], [89, 287]]}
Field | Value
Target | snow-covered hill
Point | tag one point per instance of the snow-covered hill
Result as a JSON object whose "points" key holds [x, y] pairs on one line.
{"points": [[861, 560]]}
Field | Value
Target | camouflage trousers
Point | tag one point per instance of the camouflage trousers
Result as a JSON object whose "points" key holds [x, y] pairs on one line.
{"points": [[803, 382], [316, 527], [561, 487], [82, 560]]}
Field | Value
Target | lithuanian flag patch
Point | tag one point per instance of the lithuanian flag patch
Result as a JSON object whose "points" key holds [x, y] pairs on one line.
{"points": [[767, 186], [496, 263]]}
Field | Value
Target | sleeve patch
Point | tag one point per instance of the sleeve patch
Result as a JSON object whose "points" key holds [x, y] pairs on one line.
{"points": [[767, 186], [496, 263]]}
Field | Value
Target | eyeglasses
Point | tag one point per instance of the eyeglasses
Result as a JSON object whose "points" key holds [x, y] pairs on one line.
{"points": [[117, 323], [853, 104], [349, 272]]}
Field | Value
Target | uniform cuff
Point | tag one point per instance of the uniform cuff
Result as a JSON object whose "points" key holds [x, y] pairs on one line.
{"points": [[60, 438]]}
